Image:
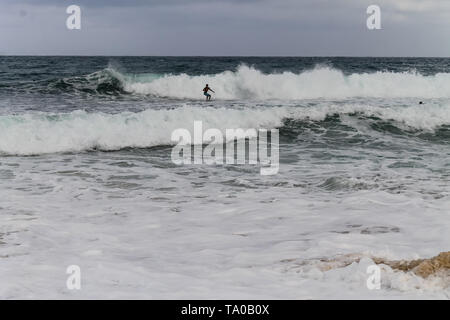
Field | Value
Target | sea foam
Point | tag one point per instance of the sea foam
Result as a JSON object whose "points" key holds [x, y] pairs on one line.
{"points": [[40, 133], [321, 82]]}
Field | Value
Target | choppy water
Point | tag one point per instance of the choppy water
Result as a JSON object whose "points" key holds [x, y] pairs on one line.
{"points": [[87, 177]]}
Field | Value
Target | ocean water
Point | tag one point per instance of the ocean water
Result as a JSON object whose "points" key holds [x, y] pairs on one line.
{"points": [[86, 177]]}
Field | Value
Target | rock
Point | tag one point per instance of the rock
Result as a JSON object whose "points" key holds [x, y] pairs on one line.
{"points": [[438, 266], [433, 266]]}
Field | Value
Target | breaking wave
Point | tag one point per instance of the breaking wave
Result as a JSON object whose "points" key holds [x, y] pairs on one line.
{"points": [[41, 133], [321, 82], [250, 83]]}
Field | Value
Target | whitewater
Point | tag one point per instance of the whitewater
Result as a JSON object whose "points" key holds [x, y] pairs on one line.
{"points": [[86, 177], [40, 133], [320, 82]]}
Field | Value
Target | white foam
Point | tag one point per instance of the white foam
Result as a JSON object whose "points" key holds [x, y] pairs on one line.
{"points": [[77, 131], [40, 133], [420, 117], [322, 82]]}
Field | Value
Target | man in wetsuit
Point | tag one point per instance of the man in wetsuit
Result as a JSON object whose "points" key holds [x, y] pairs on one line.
{"points": [[205, 92]]}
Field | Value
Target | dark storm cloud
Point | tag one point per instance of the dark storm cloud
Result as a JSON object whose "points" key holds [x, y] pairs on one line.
{"points": [[226, 27]]}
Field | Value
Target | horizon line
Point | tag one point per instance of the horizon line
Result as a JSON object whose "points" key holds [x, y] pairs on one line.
{"points": [[216, 56]]}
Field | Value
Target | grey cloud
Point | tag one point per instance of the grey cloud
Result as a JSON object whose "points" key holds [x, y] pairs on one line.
{"points": [[120, 3], [227, 27]]}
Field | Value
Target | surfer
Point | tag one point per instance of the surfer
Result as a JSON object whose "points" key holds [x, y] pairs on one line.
{"points": [[205, 92]]}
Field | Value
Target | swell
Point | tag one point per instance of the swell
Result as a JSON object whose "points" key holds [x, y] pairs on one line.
{"points": [[104, 82]]}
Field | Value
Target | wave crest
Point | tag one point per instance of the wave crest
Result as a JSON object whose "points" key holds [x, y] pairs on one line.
{"points": [[321, 82], [41, 133]]}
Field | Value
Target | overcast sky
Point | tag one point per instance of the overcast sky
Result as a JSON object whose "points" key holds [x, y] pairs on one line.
{"points": [[226, 27]]}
